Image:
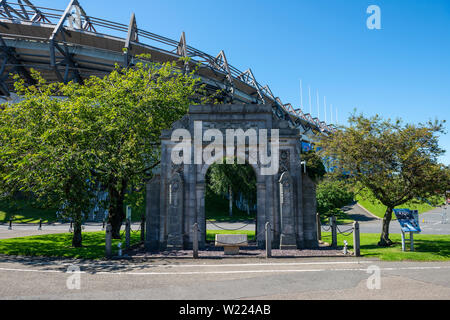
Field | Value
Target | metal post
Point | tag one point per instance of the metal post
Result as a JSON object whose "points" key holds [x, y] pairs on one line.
{"points": [[103, 226], [10, 224], [143, 228], [127, 234], [411, 240], [403, 241], [40, 224], [195, 240], [319, 227], [356, 239], [333, 232], [268, 241], [108, 240], [71, 226]]}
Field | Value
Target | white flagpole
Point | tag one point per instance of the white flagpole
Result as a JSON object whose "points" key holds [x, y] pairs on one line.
{"points": [[310, 105], [331, 111], [301, 94], [318, 105], [337, 119]]}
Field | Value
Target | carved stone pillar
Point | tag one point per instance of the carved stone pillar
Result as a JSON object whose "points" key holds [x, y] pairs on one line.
{"points": [[287, 239], [175, 213], [153, 212]]}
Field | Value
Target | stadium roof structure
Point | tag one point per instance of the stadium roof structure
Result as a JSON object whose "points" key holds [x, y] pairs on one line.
{"points": [[69, 45]]}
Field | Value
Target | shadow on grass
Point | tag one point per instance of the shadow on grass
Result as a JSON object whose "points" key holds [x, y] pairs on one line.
{"points": [[22, 211], [430, 250], [60, 245]]}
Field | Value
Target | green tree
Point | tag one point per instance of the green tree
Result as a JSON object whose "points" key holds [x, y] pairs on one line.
{"points": [[314, 165], [332, 196], [397, 162], [105, 131], [232, 179], [45, 151], [130, 108]]}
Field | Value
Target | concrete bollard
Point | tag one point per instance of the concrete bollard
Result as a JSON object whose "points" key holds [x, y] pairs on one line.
{"points": [[127, 234], [356, 239], [319, 227], [195, 240], [268, 241], [333, 232], [108, 241], [345, 251]]}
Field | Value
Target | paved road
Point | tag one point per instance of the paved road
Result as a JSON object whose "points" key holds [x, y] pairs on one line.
{"points": [[338, 278], [430, 222], [25, 230]]}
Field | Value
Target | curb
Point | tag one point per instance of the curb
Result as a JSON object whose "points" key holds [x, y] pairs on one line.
{"points": [[368, 212]]}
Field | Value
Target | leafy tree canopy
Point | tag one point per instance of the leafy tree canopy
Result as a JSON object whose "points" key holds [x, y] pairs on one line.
{"points": [[395, 161], [64, 140]]}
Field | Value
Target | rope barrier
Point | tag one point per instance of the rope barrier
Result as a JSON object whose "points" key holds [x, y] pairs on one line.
{"points": [[240, 228], [346, 233]]}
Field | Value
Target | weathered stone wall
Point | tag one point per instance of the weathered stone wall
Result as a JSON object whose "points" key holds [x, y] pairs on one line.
{"points": [[170, 221]]}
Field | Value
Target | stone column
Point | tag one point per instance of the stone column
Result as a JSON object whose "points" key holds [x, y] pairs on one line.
{"points": [[309, 212], [287, 240], [153, 214], [175, 213]]}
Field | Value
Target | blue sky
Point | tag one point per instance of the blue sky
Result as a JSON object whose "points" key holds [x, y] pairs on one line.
{"points": [[401, 71]]}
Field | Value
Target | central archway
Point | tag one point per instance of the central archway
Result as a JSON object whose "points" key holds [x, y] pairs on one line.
{"points": [[285, 197], [230, 200]]}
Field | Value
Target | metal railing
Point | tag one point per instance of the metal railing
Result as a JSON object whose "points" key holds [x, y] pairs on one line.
{"points": [[75, 18]]}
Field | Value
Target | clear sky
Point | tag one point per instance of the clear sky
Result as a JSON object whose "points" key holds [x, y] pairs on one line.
{"points": [[401, 71]]}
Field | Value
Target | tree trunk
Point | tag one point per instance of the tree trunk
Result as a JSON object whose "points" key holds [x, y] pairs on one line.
{"points": [[77, 240], [116, 210], [384, 240], [230, 209]]}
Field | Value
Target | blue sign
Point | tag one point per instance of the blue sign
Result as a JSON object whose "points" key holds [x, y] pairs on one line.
{"points": [[408, 219]]}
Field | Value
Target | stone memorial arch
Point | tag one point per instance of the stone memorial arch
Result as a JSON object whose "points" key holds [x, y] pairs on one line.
{"points": [[176, 195]]}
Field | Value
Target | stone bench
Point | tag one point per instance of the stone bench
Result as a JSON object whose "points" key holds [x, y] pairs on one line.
{"points": [[231, 242]]}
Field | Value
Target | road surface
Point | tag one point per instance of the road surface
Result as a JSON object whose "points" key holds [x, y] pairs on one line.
{"points": [[337, 278]]}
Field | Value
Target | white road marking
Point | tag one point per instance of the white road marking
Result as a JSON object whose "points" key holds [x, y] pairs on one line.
{"points": [[230, 271], [205, 265]]}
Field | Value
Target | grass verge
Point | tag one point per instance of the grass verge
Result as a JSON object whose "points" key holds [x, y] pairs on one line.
{"points": [[378, 209], [60, 245], [427, 247], [211, 234]]}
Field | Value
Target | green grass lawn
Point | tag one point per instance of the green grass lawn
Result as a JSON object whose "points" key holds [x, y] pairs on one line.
{"points": [[378, 209], [341, 219], [216, 209], [59, 245], [427, 247], [211, 234], [25, 212]]}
